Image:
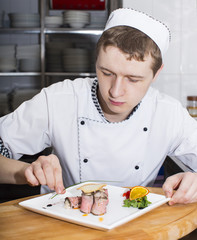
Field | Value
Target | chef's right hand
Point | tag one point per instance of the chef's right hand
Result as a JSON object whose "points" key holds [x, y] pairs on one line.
{"points": [[46, 170]]}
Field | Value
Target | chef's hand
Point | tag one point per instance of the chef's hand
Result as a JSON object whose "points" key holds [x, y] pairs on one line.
{"points": [[46, 170], [186, 185]]}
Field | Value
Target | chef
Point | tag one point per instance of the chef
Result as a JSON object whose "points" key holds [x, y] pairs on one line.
{"points": [[114, 128]]}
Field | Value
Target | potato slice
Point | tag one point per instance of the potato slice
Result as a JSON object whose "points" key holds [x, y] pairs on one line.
{"points": [[91, 187]]}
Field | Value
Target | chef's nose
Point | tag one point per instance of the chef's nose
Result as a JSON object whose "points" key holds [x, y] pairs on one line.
{"points": [[117, 87]]}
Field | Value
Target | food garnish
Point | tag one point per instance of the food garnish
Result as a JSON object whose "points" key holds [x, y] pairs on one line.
{"points": [[136, 197], [138, 192]]}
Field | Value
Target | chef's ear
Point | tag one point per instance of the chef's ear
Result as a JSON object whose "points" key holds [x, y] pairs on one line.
{"points": [[157, 73]]}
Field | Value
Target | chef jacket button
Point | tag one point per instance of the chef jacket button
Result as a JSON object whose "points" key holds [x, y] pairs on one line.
{"points": [[145, 129], [82, 122], [137, 167], [85, 160]]}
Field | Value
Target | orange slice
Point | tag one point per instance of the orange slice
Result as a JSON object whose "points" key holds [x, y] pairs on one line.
{"points": [[138, 192]]}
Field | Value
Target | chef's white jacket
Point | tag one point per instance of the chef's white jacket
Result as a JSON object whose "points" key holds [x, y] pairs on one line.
{"points": [[130, 152]]}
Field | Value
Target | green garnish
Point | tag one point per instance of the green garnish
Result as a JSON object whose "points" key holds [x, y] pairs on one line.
{"points": [[139, 203]]}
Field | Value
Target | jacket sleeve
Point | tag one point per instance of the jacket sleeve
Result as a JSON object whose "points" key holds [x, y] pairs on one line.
{"points": [[26, 130]]}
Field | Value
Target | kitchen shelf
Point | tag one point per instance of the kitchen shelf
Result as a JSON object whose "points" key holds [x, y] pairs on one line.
{"points": [[51, 31], [70, 74], [73, 31], [20, 30], [19, 74], [45, 33]]}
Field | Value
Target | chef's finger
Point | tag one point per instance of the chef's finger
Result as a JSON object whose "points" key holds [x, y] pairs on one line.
{"points": [[59, 186], [180, 196], [170, 184], [168, 192], [49, 174], [186, 192], [57, 171], [31, 179], [38, 172]]}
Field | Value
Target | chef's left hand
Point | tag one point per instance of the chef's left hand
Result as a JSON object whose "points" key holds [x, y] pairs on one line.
{"points": [[186, 185]]}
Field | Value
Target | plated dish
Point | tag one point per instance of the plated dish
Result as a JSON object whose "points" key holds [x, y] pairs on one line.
{"points": [[115, 216]]}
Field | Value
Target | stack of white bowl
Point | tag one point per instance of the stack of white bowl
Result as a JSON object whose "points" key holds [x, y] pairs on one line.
{"points": [[30, 65], [21, 95], [4, 105], [53, 21], [76, 60], [28, 57], [76, 19], [20, 20], [98, 19], [7, 58], [54, 52], [25, 51]]}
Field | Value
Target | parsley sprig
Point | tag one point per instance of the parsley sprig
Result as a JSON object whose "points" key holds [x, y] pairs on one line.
{"points": [[139, 203]]}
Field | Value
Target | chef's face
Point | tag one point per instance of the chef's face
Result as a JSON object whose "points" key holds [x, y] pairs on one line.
{"points": [[123, 82]]}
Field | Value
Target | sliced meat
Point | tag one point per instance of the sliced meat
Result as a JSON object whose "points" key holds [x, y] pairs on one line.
{"points": [[73, 202], [100, 202], [86, 202]]}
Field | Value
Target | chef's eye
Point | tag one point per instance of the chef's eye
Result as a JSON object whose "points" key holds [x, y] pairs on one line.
{"points": [[133, 80], [107, 74]]}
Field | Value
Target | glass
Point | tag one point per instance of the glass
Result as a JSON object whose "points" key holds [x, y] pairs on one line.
{"points": [[192, 106]]}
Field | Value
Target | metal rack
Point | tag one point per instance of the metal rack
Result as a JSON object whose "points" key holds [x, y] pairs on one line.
{"points": [[43, 31]]}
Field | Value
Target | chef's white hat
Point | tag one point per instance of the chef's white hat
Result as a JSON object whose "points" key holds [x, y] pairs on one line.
{"points": [[155, 29]]}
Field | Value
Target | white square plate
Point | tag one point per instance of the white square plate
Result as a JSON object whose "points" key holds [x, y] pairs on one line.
{"points": [[116, 214]]}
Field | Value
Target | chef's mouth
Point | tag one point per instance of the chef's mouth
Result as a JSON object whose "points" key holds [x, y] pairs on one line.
{"points": [[116, 103]]}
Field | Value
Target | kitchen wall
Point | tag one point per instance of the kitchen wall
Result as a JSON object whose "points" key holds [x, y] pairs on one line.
{"points": [[179, 76]]}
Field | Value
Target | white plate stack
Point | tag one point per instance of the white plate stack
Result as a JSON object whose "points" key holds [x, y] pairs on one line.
{"points": [[53, 21], [21, 95], [98, 19], [7, 58], [76, 60], [76, 19], [20, 20], [54, 53], [29, 65], [29, 58]]}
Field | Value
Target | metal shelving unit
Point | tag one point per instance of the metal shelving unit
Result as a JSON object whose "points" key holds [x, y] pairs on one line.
{"points": [[73, 31], [81, 31], [19, 74], [68, 31], [37, 30], [19, 30], [66, 74], [43, 31]]}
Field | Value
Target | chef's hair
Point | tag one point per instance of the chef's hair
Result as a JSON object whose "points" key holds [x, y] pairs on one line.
{"points": [[133, 42]]}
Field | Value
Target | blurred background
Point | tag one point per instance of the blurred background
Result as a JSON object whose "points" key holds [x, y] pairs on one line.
{"points": [[42, 42]]}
